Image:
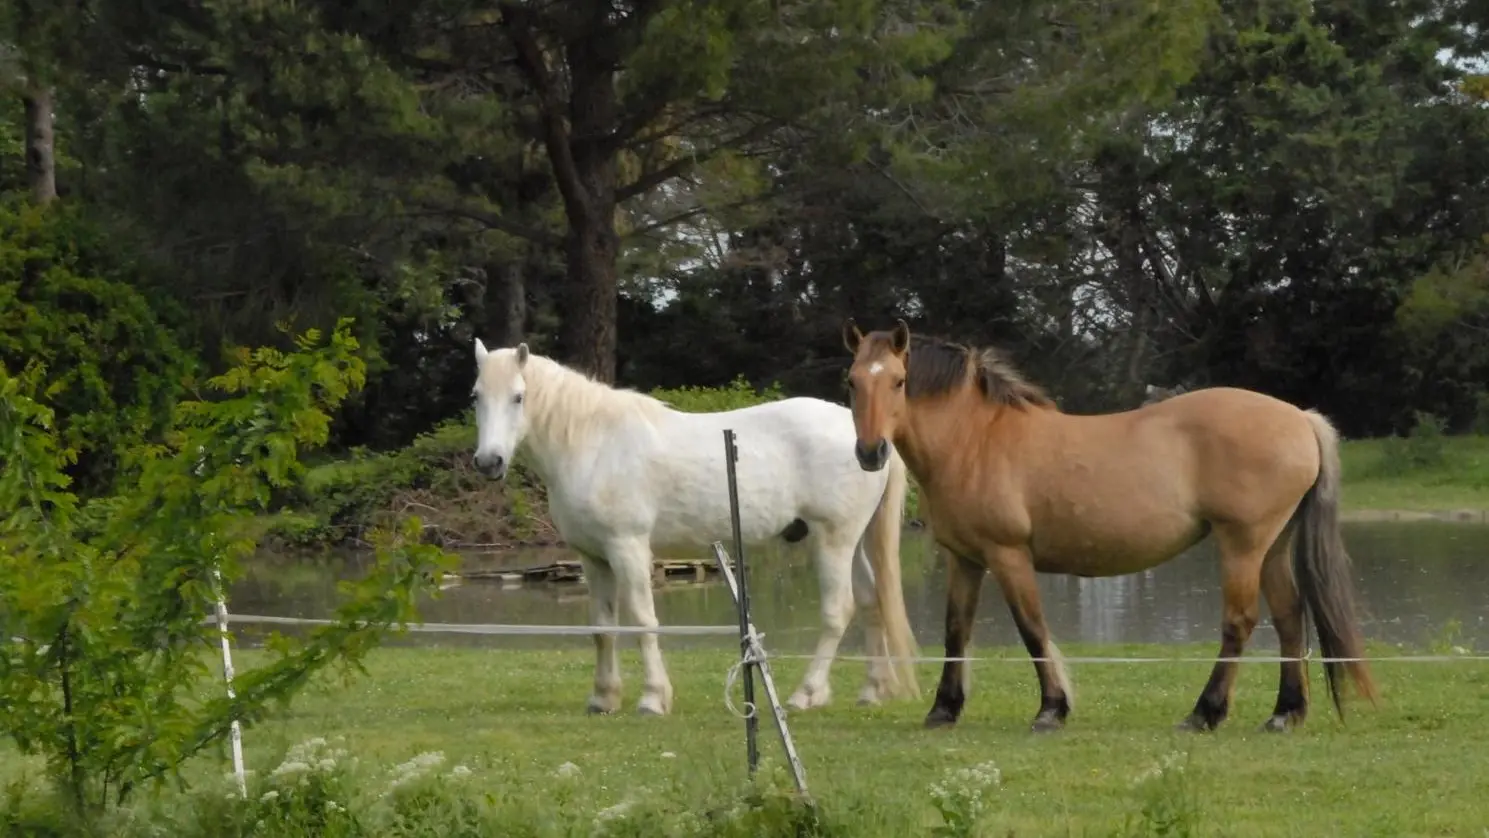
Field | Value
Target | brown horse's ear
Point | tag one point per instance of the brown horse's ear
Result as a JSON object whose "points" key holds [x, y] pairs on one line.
{"points": [[900, 340], [852, 337]]}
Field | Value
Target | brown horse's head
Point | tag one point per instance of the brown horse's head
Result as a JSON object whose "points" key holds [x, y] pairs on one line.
{"points": [[876, 388]]}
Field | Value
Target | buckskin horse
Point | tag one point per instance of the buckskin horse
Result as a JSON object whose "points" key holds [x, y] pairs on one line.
{"points": [[1013, 486]]}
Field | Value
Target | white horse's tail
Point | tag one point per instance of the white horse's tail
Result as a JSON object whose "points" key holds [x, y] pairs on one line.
{"points": [[883, 545]]}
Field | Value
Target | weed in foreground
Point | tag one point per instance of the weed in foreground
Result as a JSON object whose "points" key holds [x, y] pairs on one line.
{"points": [[964, 799], [1170, 805]]}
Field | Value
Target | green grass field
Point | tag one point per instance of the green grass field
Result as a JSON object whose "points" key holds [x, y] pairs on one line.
{"points": [[1380, 474], [1412, 766]]}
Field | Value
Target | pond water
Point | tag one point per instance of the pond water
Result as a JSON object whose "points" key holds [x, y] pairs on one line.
{"points": [[1414, 579]]}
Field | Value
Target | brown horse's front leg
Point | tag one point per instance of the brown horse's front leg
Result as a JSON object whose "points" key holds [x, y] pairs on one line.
{"points": [[963, 588], [1015, 572]]}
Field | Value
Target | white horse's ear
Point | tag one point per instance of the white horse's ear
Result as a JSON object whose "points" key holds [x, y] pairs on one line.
{"points": [[481, 352], [521, 354]]}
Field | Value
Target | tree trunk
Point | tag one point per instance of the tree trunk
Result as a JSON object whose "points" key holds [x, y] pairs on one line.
{"points": [[584, 169], [41, 160], [506, 301], [589, 303]]}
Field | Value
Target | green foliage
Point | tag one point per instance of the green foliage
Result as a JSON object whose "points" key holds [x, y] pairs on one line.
{"points": [[965, 798], [102, 603], [112, 368], [342, 498], [1449, 294], [1423, 448], [1170, 806], [738, 393], [319, 789], [1481, 414]]}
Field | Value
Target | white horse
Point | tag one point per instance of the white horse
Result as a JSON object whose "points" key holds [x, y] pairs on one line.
{"points": [[628, 476]]}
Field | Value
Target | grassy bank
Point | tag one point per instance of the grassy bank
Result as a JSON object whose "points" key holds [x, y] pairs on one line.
{"points": [[1425, 471], [531, 763], [1416, 473]]}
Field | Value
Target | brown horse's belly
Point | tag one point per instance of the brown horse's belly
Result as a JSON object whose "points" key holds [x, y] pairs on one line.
{"points": [[1116, 550]]}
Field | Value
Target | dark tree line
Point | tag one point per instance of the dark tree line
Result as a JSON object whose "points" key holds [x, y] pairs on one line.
{"points": [[1289, 196]]}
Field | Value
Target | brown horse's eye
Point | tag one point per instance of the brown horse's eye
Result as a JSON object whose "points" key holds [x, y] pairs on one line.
{"points": [[900, 384]]}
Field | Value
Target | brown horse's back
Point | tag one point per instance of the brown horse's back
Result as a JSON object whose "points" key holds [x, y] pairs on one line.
{"points": [[1117, 493]]}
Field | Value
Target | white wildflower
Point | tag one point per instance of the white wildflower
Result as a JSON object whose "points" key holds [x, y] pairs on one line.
{"points": [[305, 751], [1168, 764], [333, 806], [269, 796], [668, 755], [459, 771], [406, 772], [613, 812], [568, 769], [290, 769], [960, 795]]}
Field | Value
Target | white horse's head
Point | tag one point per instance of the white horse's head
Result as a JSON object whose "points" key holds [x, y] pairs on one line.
{"points": [[501, 415]]}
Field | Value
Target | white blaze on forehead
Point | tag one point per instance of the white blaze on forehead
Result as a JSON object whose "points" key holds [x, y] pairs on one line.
{"points": [[876, 368]]}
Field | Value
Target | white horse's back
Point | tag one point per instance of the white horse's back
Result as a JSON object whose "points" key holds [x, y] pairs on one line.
{"points": [[795, 463]]}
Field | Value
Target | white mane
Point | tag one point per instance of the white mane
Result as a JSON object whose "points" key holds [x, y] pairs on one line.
{"points": [[566, 407]]}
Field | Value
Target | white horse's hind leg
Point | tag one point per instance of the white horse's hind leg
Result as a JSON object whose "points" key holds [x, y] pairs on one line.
{"points": [[602, 609], [878, 675], [834, 559], [631, 563]]}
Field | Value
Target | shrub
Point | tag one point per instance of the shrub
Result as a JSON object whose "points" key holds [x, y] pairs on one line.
{"points": [[101, 604], [738, 393], [111, 370], [1423, 448]]}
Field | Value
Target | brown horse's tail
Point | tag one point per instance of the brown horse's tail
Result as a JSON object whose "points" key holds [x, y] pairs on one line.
{"points": [[883, 544], [1323, 570]]}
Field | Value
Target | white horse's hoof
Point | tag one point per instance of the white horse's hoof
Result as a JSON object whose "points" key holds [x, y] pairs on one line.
{"points": [[652, 706], [806, 699], [868, 697], [597, 706]]}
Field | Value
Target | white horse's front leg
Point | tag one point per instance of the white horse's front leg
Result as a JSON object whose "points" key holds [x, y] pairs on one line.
{"points": [[602, 609], [631, 562], [834, 575], [878, 676]]}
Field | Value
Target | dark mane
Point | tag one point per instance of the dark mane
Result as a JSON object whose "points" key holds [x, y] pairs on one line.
{"points": [[940, 366]]}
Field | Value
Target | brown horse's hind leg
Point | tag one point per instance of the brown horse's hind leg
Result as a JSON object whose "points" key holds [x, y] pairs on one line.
{"points": [[1241, 556], [963, 588], [1281, 592], [1015, 573]]}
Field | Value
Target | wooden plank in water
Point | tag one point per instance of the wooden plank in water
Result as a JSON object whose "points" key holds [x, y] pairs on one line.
{"points": [[572, 571]]}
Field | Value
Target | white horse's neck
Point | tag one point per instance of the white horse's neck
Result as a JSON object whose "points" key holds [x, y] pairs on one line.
{"points": [[568, 413]]}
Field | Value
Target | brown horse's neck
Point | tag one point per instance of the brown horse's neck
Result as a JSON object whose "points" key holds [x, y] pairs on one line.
{"points": [[939, 433]]}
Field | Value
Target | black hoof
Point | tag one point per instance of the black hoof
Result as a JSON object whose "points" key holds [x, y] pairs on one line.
{"points": [[939, 717], [594, 710], [1280, 723], [1048, 722], [1195, 724]]}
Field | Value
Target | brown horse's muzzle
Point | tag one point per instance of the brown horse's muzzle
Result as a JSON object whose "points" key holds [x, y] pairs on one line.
{"points": [[872, 456]]}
